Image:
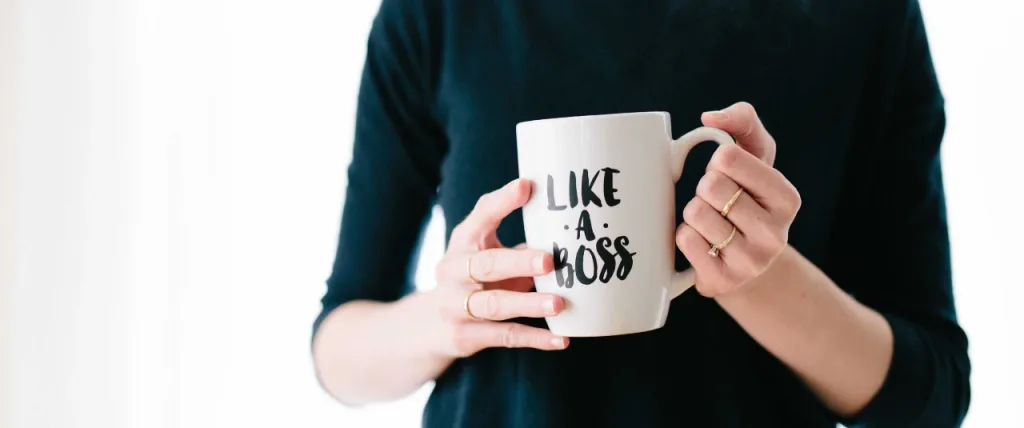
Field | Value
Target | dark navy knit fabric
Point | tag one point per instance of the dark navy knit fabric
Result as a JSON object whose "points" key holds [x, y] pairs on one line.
{"points": [[848, 90]]}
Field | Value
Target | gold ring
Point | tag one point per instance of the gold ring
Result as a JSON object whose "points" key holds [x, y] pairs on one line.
{"points": [[713, 252], [465, 305], [732, 201], [469, 269]]}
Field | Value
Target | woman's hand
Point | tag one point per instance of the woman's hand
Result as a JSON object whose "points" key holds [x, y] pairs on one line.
{"points": [[761, 214], [482, 283]]}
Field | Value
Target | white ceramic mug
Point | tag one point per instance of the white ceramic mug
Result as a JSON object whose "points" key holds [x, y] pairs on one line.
{"points": [[604, 204]]}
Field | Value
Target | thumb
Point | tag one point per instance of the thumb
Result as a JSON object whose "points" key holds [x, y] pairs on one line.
{"points": [[741, 121]]}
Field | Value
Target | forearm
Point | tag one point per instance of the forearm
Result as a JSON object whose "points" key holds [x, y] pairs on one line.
{"points": [[839, 347], [368, 351]]}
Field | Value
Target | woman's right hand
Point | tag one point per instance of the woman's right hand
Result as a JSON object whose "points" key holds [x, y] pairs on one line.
{"points": [[481, 283]]}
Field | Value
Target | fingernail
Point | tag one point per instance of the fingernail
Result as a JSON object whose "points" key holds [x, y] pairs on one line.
{"points": [[558, 342], [538, 263], [718, 115]]}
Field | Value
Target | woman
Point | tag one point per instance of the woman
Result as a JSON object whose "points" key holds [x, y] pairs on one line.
{"points": [[842, 313]]}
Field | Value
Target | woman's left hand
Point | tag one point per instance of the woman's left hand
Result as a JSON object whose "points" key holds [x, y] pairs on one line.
{"points": [[761, 214]]}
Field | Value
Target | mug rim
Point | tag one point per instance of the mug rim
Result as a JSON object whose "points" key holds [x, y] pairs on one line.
{"points": [[663, 114]]}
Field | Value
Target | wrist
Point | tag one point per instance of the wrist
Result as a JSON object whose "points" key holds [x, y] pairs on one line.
{"points": [[779, 271], [425, 324]]}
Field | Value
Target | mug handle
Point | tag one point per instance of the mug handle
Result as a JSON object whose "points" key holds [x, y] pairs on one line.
{"points": [[682, 281]]}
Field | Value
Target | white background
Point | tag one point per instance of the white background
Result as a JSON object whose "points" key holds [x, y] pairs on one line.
{"points": [[171, 179]]}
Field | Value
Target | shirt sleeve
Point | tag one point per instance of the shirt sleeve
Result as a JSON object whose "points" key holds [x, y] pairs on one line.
{"points": [[395, 166], [890, 245]]}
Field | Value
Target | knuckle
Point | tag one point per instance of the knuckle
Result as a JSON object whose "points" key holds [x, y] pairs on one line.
{"points": [[711, 180], [483, 264], [703, 210], [692, 243], [526, 304], [691, 210], [725, 157], [795, 201], [462, 340], [509, 262], [788, 207], [483, 201], [748, 119], [791, 201], [492, 305], [681, 238], [511, 336], [539, 341], [525, 260], [745, 109], [684, 239]]}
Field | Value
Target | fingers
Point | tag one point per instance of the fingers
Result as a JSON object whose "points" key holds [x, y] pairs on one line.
{"points": [[472, 337], [493, 265], [741, 121], [502, 263], [491, 209], [470, 314], [709, 222], [521, 284], [500, 305], [750, 164], [765, 184], [717, 189], [737, 258], [695, 248], [760, 213]]}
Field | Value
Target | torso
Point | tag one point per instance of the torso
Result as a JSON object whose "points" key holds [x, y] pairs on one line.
{"points": [[803, 67]]}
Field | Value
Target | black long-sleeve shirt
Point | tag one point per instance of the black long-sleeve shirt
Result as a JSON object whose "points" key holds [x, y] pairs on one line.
{"points": [[846, 88]]}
